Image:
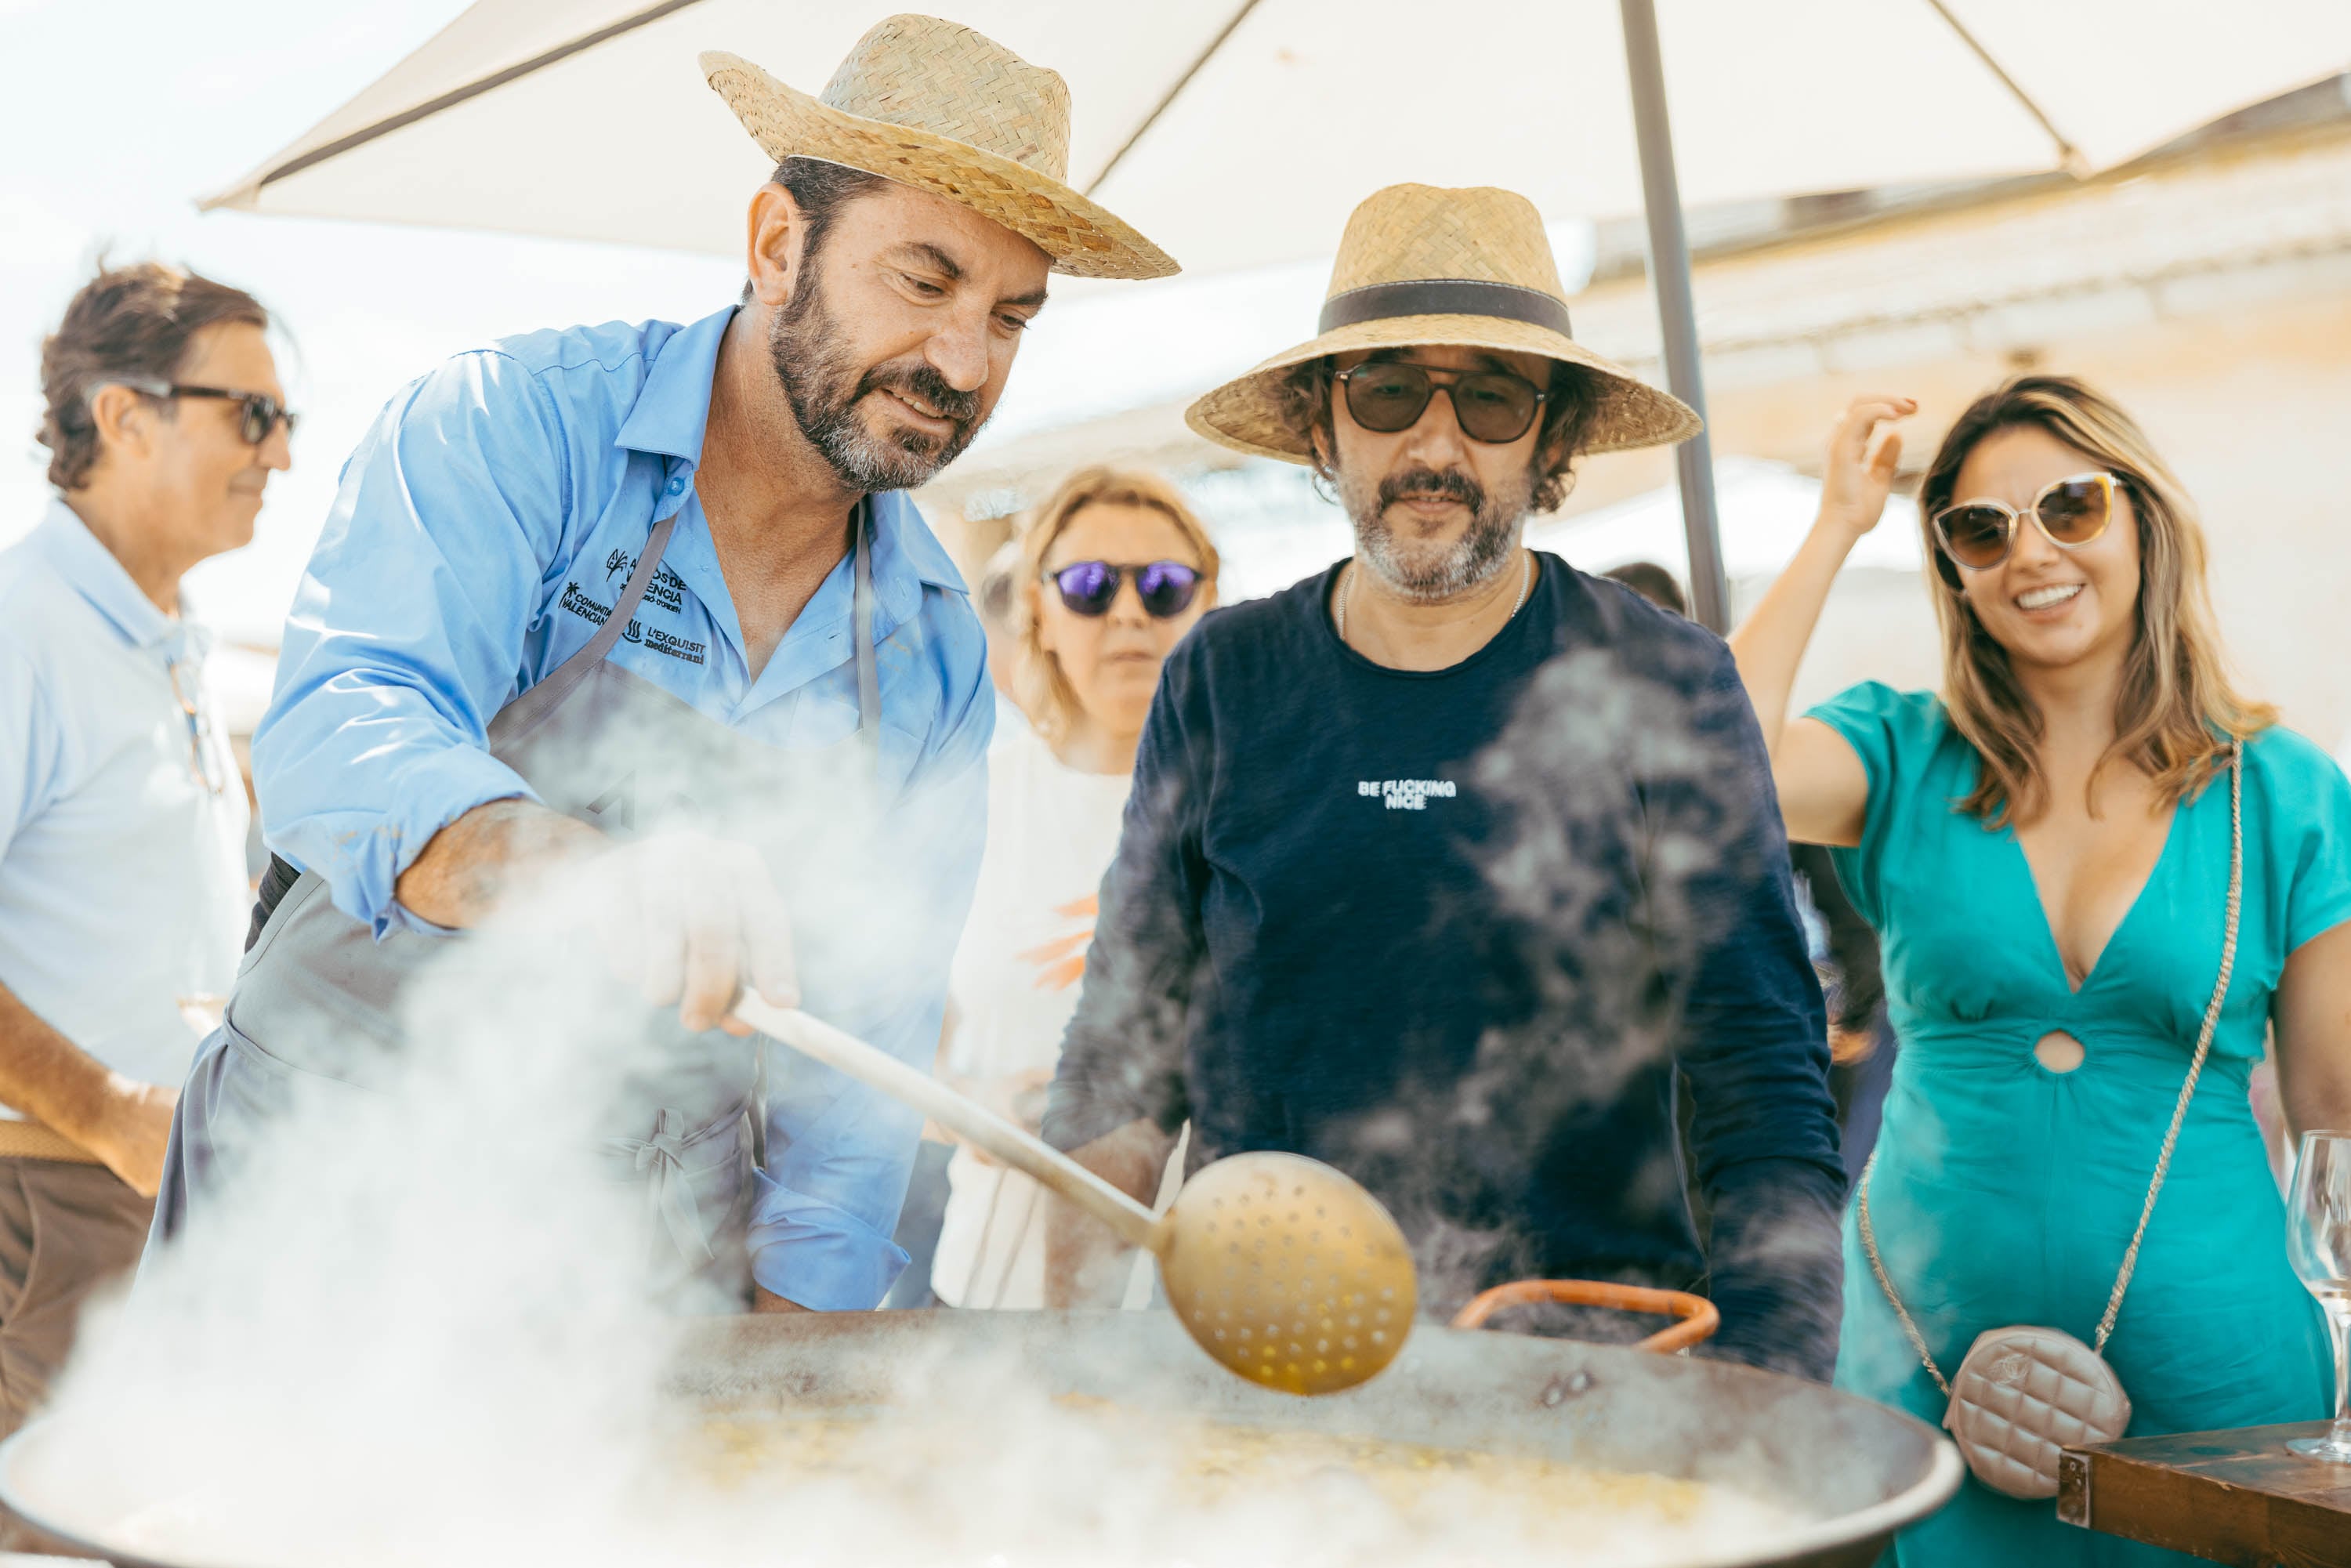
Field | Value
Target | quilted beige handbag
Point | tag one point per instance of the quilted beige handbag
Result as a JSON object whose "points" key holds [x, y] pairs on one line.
{"points": [[2024, 1393]]}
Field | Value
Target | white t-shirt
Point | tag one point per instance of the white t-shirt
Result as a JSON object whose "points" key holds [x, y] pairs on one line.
{"points": [[123, 897], [1051, 833]]}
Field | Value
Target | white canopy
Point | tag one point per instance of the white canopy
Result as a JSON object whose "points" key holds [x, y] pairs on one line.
{"points": [[1238, 132]]}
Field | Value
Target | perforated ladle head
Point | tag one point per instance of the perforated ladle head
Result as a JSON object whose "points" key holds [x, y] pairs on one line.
{"points": [[1282, 1268], [1289, 1272]]}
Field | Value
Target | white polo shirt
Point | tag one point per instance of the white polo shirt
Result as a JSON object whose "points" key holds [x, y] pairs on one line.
{"points": [[123, 885]]}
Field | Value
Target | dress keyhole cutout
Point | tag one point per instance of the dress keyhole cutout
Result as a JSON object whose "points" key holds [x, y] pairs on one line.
{"points": [[2058, 1051]]}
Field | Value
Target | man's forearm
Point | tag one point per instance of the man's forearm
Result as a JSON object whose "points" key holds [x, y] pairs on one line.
{"points": [[469, 867], [55, 1081], [1776, 1259]]}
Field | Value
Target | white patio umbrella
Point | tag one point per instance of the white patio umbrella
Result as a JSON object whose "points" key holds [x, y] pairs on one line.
{"points": [[1239, 133]]}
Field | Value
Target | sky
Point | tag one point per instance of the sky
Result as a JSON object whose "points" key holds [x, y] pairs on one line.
{"points": [[121, 112]]}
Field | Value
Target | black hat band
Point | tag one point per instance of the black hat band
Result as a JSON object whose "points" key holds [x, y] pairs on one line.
{"points": [[1445, 297]]}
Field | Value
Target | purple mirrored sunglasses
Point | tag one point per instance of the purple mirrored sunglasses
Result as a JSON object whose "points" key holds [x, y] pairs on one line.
{"points": [[1091, 587]]}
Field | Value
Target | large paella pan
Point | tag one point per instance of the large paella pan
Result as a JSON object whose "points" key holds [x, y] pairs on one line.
{"points": [[1817, 1476]]}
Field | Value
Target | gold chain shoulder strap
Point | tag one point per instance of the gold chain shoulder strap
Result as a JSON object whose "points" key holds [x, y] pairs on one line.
{"points": [[2170, 1138]]}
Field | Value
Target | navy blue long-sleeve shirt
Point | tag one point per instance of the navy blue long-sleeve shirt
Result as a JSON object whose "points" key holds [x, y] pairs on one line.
{"points": [[1454, 932]]}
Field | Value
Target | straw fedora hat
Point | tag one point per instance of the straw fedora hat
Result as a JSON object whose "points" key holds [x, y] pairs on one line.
{"points": [[1420, 264], [935, 106]]}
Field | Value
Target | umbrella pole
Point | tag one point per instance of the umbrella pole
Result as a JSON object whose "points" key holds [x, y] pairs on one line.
{"points": [[1669, 273]]}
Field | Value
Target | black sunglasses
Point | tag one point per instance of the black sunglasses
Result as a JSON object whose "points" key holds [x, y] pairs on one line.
{"points": [[261, 414], [1091, 587], [1492, 406]]}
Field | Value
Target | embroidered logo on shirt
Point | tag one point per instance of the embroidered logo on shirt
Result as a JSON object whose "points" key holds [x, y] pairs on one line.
{"points": [[1407, 794], [661, 641], [666, 590], [587, 609], [637, 632]]}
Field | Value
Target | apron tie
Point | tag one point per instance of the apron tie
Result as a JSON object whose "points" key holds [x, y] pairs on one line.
{"points": [[669, 1195]]}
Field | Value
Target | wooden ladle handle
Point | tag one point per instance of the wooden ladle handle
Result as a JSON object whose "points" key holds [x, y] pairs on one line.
{"points": [[868, 1064], [1698, 1316]]}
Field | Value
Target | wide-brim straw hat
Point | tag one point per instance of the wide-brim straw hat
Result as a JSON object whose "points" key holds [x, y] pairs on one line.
{"points": [[935, 106], [1422, 266]]}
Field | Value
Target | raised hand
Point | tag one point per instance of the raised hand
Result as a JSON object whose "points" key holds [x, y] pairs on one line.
{"points": [[1864, 449], [1823, 790]]}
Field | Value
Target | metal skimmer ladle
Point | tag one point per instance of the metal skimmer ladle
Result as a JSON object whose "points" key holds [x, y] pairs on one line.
{"points": [[1279, 1266]]}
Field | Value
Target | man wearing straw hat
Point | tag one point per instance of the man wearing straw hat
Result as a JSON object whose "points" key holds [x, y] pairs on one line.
{"points": [[633, 622], [1448, 865]]}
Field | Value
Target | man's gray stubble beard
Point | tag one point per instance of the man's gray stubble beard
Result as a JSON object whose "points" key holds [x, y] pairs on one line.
{"points": [[804, 347], [1482, 553]]}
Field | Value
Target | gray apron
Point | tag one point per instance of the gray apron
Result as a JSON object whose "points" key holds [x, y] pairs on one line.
{"points": [[319, 996]]}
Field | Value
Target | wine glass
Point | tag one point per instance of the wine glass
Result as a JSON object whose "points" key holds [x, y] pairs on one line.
{"points": [[2318, 1241]]}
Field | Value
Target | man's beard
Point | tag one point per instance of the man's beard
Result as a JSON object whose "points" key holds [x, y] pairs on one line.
{"points": [[826, 388], [1430, 572]]}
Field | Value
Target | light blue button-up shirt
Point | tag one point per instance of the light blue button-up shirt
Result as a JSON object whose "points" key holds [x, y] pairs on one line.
{"points": [[122, 889], [489, 499]]}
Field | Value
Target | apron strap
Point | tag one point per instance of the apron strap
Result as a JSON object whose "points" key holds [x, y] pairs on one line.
{"points": [[758, 1109], [869, 672], [525, 712]]}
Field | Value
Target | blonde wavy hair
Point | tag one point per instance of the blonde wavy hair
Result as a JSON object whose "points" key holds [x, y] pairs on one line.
{"points": [[1043, 692], [2177, 712]]}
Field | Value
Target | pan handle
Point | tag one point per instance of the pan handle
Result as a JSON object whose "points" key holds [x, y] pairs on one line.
{"points": [[1697, 1315]]}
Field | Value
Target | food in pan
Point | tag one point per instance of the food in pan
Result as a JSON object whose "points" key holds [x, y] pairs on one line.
{"points": [[1207, 1465]]}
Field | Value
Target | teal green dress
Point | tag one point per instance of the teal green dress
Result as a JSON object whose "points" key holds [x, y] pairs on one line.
{"points": [[2006, 1193]]}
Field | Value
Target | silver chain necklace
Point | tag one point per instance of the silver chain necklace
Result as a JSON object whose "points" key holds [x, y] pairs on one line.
{"points": [[1347, 591]]}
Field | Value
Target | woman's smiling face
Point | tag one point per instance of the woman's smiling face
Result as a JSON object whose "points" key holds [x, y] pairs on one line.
{"points": [[2048, 606]]}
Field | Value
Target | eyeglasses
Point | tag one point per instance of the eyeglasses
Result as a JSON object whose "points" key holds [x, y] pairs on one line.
{"points": [[1492, 406], [260, 413], [2070, 513], [203, 761], [1091, 587]]}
